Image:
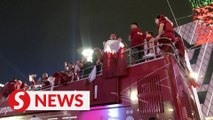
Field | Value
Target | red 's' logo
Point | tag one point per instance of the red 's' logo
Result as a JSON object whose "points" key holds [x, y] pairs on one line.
{"points": [[49, 100], [19, 100]]}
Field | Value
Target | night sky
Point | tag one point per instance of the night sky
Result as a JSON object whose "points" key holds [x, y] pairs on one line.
{"points": [[37, 36]]}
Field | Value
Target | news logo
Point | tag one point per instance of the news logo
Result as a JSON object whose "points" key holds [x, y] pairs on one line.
{"points": [[49, 100], [19, 100]]}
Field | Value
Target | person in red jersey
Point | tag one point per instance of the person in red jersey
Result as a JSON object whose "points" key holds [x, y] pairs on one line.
{"points": [[137, 39], [165, 27], [24, 86], [165, 30], [10, 86]]}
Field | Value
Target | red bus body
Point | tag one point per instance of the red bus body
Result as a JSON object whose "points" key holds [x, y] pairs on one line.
{"points": [[157, 89]]}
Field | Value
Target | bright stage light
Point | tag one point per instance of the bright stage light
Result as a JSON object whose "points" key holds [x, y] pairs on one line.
{"points": [[1, 85], [134, 96], [194, 75], [171, 109], [87, 53]]}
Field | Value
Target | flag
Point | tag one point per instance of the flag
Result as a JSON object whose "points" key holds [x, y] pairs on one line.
{"points": [[92, 74], [114, 59], [52, 82], [113, 46], [32, 81]]}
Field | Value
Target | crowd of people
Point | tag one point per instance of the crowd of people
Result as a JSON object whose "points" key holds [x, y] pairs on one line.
{"points": [[139, 39], [145, 43]]}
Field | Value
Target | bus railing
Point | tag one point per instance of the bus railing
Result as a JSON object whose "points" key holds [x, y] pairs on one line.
{"points": [[130, 61]]}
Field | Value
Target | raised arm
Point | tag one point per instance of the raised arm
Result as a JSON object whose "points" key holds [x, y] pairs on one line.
{"points": [[160, 30]]}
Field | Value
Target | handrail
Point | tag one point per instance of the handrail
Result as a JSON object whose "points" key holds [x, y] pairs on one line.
{"points": [[129, 53], [155, 40], [175, 54]]}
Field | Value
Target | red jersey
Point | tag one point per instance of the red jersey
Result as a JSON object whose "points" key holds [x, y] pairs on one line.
{"points": [[137, 37], [168, 30]]}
